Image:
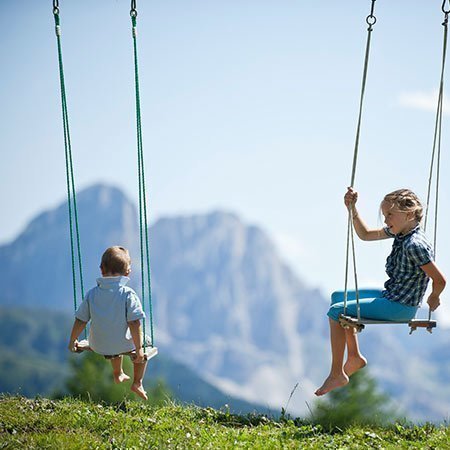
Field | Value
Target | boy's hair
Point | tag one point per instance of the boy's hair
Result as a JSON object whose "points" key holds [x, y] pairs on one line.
{"points": [[405, 200], [116, 260]]}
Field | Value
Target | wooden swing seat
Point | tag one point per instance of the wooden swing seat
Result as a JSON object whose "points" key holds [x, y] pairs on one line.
{"points": [[359, 325], [83, 346]]}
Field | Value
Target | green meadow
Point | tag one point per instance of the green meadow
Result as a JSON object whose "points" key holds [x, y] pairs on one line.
{"points": [[75, 424]]}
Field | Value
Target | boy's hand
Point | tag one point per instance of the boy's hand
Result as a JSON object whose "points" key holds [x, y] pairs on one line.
{"points": [[73, 346], [350, 198], [433, 301]]}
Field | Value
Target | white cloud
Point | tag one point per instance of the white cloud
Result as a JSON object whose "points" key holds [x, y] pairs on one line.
{"points": [[425, 101]]}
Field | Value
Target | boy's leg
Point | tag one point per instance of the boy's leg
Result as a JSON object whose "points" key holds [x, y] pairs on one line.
{"points": [[337, 377], [139, 372], [119, 375]]}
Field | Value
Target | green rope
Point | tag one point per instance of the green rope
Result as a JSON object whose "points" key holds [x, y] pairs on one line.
{"points": [[76, 259], [143, 223], [370, 20]]}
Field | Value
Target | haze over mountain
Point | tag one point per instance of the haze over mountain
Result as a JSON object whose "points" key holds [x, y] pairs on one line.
{"points": [[225, 304]]}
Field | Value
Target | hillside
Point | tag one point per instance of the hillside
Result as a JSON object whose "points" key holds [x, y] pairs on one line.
{"points": [[34, 356], [72, 424], [226, 306], [225, 303]]}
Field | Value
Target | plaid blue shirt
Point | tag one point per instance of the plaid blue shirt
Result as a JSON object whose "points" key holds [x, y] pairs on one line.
{"points": [[407, 281]]}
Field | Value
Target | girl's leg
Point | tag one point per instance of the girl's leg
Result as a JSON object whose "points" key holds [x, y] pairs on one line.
{"points": [[370, 308], [337, 377], [340, 339], [355, 360], [139, 372], [374, 308], [338, 296], [119, 375]]}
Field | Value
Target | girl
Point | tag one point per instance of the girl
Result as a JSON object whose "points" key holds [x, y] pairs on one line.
{"points": [[409, 267]]}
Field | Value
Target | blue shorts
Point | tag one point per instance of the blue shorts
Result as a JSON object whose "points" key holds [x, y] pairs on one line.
{"points": [[372, 305]]}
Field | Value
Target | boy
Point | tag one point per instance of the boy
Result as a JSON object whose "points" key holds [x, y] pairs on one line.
{"points": [[115, 313]]}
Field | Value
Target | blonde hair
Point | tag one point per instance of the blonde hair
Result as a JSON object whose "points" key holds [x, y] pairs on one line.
{"points": [[406, 201], [116, 260]]}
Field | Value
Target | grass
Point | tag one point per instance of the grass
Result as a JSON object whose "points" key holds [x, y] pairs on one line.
{"points": [[74, 424]]}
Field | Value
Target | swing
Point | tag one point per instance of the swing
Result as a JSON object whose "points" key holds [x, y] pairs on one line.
{"points": [[149, 349], [358, 323]]}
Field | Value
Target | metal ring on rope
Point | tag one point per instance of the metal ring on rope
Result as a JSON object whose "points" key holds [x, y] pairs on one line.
{"points": [[133, 10], [445, 11], [371, 20]]}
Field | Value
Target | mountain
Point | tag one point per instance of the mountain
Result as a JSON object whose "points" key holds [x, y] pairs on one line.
{"points": [[37, 264], [236, 310], [225, 305]]}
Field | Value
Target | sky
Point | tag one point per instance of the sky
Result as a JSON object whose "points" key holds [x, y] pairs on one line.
{"points": [[248, 106]]}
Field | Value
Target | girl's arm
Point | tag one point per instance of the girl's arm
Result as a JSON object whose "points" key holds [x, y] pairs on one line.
{"points": [[438, 284], [362, 230]]}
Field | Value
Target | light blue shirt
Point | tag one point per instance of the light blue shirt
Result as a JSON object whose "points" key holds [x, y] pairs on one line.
{"points": [[110, 306]]}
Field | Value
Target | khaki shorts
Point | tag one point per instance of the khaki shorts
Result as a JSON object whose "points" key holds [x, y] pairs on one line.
{"points": [[131, 354]]}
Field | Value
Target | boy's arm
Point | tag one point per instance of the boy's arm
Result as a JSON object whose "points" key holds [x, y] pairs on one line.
{"points": [[78, 327], [438, 284], [135, 330]]}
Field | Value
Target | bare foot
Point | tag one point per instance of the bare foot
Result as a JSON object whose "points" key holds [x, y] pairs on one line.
{"points": [[332, 383], [121, 378], [139, 390], [353, 364]]}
